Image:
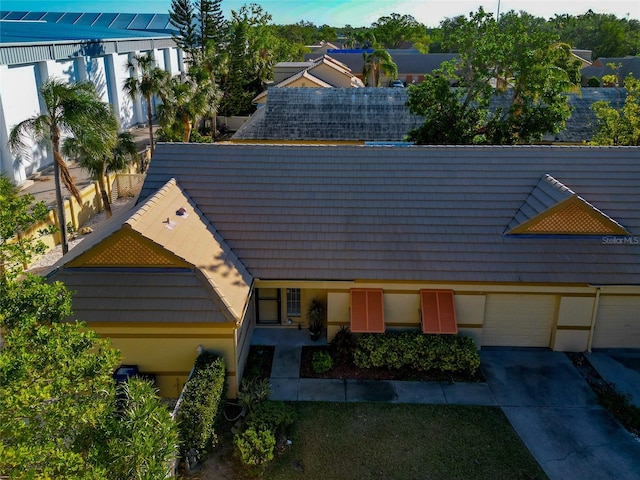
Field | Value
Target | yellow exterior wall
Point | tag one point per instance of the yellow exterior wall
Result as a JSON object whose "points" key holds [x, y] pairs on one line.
{"points": [[331, 75], [169, 351], [337, 312], [402, 311], [573, 324], [470, 315]]}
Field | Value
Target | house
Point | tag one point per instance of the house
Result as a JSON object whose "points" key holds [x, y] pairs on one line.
{"points": [[532, 246], [601, 67], [412, 65], [338, 115], [73, 47], [323, 72]]}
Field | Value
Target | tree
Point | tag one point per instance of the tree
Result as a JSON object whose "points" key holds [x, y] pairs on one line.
{"points": [[146, 80], [60, 416], [619, 126], [200, 24], [69, 109], [511, 79], [18, 216], [378, 63], [236, 98], [394, 30], [183, 103], [102, 151]]}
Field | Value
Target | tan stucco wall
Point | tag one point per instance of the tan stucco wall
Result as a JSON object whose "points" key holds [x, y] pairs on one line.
{"points": [[169, 351], [573, 323]]}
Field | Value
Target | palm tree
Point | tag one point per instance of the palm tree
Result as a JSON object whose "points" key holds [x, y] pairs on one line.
{"points": [[182, 104], [378, 62], [69, 108], [147, 81], [102, 151]]}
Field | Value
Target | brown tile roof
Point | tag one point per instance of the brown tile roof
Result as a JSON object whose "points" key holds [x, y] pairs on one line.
{"points": [[414, 213]]}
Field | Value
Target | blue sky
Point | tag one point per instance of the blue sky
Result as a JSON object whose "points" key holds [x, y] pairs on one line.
{"points": [[340, 12]]}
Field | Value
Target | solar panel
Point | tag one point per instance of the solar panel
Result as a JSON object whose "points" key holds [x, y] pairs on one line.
{"points": [[141, 21], [105, 19], [123, 20], [87, 19]]}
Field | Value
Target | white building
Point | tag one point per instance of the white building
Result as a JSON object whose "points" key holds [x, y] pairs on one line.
{"points": [[32, 51]]}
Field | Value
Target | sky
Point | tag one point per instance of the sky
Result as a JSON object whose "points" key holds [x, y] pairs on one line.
{"points": [[356, 13]]}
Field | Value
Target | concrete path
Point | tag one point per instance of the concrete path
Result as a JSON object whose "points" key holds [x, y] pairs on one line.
{"points": [[558, 418]]}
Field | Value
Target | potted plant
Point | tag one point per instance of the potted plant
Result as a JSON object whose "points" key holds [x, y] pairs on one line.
{"points": [[316, 314]]}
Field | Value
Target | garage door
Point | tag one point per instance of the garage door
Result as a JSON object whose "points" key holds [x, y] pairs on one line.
{"points": [[617, 323], [518, 320]]}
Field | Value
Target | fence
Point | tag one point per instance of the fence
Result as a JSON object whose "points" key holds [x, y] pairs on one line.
{"points": [[120, 185]]}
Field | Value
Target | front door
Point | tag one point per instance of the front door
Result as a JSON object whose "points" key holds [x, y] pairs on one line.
{"points": [[269, 309]]}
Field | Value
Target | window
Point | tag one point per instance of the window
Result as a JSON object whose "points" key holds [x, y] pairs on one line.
{"points": [[293, 302], [367, 311], [438, 311]]}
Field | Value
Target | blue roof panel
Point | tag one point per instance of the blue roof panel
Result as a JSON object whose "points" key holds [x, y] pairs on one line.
{"points": [[123, 20], [87, 19], [105, 20]]}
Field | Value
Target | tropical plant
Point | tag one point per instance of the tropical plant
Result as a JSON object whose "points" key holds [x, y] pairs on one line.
{"points": [[101, 151], [393, 30], [146, 80], [316, 315], [378, 63], [69, 109]]}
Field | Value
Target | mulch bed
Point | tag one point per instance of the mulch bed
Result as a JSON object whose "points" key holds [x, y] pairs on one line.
{"points": [[347, 370]]}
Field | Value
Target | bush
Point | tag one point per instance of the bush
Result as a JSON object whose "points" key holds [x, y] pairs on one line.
{"points": [[273, 416], [444, 353], [321, 362], [593, 82], [343, 345], [253, 391], [201, 406], [255, 447]]}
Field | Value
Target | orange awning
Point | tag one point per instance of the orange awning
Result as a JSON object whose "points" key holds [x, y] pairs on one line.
{"points": [[438, 311], [367, 311]]}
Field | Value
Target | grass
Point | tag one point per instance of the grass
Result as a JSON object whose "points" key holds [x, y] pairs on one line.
{"points": [[402, 441]]}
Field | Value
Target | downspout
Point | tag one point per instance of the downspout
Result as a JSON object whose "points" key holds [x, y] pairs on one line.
{"points": [[594, 314]]}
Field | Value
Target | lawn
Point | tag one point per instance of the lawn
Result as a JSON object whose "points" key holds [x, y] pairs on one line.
{"points": [[402, 441]]}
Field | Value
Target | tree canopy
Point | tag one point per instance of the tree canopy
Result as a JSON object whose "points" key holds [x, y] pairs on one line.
{"points": [[61, 414], [619, 124], [508, 85]]}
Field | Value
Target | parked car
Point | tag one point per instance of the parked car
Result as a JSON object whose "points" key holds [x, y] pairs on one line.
{"points": [[397, 84]]}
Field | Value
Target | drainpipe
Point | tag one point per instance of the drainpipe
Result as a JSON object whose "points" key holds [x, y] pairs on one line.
{"points": [[594, 313]]}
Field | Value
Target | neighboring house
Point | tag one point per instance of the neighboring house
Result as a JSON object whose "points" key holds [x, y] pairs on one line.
{"points": [[361, 115], [35, 46], [322, 47], [323, 72], [532, 246], [600, 68], [412, 66]]}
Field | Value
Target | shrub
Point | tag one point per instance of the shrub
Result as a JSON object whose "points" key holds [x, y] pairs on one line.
{"points": [[321, 362], [201, 406], [343, 345], [619, 405], [253, 391], [273, 416], [593, 82], [444, 353], [255, 447]]}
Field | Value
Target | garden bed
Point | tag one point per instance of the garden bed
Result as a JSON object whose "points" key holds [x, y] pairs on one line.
{"points": [[348, 371]]}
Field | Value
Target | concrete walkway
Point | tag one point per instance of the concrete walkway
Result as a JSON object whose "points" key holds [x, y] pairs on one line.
{"points": [[549, 404]]}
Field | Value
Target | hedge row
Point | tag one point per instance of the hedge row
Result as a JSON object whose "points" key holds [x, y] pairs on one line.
{"points": [[444, 353], [202, 405]]}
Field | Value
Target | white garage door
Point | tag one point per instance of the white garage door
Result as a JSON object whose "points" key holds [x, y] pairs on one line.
{"points": [[617, 323], [518, 320]]}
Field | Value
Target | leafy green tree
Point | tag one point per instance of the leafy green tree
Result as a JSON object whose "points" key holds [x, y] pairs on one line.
{"points": [[619, 126], [378, 63], [183, 103], [393, 31], [60, 416], [18, 216], [69, 109], [102, 151], [146, 81], [604, 34], [511, 80]]}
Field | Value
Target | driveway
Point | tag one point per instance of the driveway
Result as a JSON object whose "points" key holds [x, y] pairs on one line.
{"points": [[557, 416]]}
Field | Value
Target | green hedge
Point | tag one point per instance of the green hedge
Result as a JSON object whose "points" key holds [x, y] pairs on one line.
{"points": [[444, 353], [202, 404]]}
